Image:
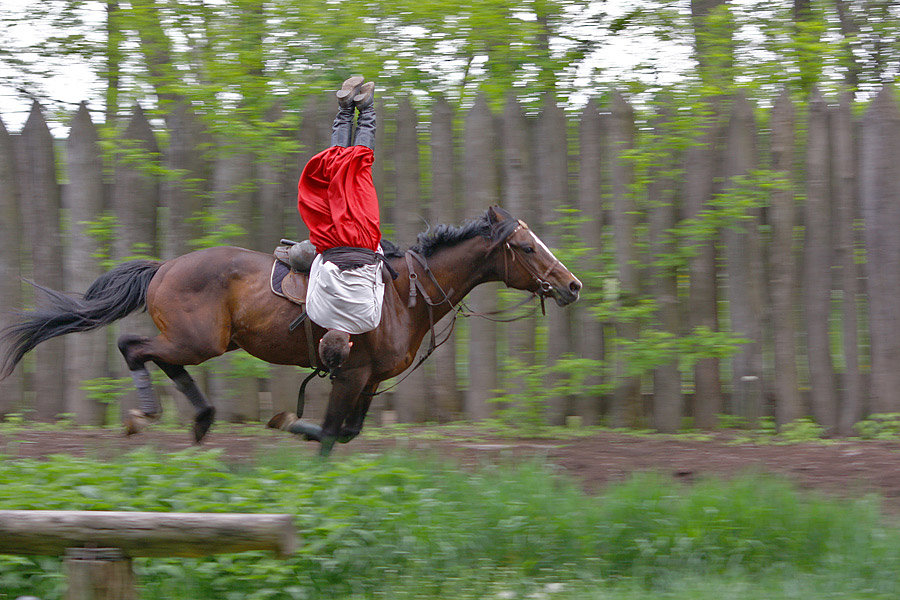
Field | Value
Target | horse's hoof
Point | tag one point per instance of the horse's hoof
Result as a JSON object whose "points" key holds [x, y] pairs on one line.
{"points": [[137, 421], [202, 422], [282, 420]]}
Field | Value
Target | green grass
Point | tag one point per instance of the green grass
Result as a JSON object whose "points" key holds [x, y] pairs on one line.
{"points": [[398, 526]]}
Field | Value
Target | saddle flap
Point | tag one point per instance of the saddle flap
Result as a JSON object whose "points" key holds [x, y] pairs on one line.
{"points": [[294, 287], [288, 283]]}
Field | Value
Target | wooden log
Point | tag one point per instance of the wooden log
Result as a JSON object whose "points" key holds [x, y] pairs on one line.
{"points": [[152, 534]]}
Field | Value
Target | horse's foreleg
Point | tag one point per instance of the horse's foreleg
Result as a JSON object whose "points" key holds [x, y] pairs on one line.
{"points": [[354, 423]]}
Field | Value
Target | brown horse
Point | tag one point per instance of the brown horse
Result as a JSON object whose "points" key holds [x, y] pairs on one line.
{"points": [[211, 301]]}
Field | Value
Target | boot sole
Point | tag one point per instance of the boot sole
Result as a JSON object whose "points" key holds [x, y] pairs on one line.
{"points": [[350, 87]]}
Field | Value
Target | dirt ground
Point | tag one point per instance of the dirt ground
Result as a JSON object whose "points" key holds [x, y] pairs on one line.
{"points": [[842, 467]]}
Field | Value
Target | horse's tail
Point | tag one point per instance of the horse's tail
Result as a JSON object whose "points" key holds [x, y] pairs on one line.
{"points": [[115, 294]]}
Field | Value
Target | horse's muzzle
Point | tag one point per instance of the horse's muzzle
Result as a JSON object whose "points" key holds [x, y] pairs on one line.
{"points": [[567, 294]]}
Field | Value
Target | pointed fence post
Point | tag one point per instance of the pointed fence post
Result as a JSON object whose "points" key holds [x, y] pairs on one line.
{"points": [[444, 208], [743, 266], [783, 264], [846, 203], [880, 189], [701, 164], [592, 162], [817, 262], [11, 388], [40, 197], [414, 392], [480, 192], [551, 167], [626, 406], [83, 197]]}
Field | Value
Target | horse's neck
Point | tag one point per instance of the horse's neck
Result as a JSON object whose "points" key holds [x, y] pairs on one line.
{"points": [[458, 270]]}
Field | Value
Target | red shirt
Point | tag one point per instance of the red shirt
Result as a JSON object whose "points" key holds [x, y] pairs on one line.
{"points": [[337, 200]]}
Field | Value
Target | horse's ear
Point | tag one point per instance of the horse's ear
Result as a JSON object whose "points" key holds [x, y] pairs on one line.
{"points": [[497, 214]]}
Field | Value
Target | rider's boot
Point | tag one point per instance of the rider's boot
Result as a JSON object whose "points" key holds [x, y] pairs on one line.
{"points": [[342, 128], [365, 122]]}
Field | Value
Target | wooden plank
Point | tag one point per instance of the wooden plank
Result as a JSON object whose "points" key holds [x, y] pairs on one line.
{"points": [[152, 534]]}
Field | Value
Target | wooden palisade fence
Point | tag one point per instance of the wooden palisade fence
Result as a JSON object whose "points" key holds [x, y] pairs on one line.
{"points": [[788, 297]]}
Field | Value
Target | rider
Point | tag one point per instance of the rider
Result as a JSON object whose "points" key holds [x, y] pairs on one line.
{"points": [[337, 201]]}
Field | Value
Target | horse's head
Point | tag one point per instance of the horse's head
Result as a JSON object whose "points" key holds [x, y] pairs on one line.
{"points": [[527, 263]]}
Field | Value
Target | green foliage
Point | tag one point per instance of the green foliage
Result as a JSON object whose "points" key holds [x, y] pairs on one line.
{"points": [[879, 426], [401, 526]]}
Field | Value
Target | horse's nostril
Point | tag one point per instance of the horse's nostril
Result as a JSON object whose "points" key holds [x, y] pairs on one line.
{"points": [[575, 286]]}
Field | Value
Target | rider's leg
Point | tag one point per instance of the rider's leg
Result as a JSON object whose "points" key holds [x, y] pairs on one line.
{"points": [[365, 122], [342, 128]]}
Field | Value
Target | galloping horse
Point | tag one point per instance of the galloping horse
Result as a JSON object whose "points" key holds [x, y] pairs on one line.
{"points": [[211, 301]]}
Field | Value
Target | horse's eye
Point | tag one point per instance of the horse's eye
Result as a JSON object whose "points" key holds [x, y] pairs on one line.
{"points": [[527, 249]]}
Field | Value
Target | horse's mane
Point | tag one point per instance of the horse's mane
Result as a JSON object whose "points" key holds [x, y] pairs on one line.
{"points": [[441, 236]]}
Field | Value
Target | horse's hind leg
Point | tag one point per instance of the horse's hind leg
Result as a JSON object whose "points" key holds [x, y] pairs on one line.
{"points": [[205, 412], [137, 350]]}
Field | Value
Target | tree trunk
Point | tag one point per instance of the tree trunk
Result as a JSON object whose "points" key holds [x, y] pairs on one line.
{"points": [[480, 191], [744, 268], [40, 197], [10, 257], [817, 266], [880, 188], [83, 198], [844, 165], [626, 407], [783, 265], [551, 167], [588, 328], [443, 208]]}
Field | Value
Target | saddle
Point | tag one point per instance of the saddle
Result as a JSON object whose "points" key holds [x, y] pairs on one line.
{"points": [[290, 271]]}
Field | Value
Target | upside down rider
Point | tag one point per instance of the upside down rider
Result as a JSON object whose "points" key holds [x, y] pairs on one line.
{"points": [[338, 203]]}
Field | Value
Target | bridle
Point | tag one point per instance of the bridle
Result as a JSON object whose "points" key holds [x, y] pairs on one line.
{"points": [[545, 289]]}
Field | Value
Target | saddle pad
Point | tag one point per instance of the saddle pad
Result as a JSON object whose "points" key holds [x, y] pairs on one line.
{"points": [[288, 284]]}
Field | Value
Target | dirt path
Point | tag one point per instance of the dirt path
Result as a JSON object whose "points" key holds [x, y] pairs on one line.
{"points": [[847, 468]]}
